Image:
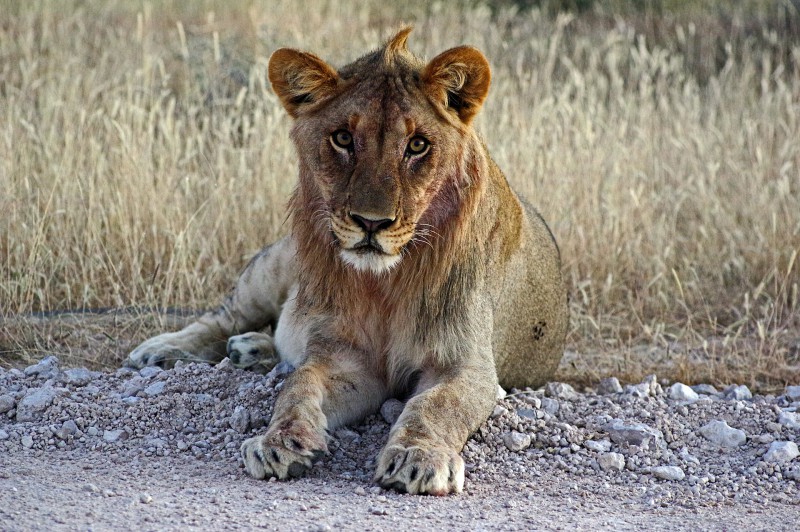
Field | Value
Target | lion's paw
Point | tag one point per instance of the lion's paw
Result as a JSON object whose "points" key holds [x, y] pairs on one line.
{"points": [[417, 470], [157, 351], [282, 453], [255, 351]]}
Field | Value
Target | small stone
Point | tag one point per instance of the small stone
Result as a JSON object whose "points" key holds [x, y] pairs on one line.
{"points": [[3, 435], [720, 433], [516, 441], [611, 461], [789, 419], [501, 393], [182, 445], [145, 498], [47, 368], [636, 434], [360, 491], [560, 390], [6, 403], [92, 431], [34, 403], [600, 446], [738, 393], [155, 389], [551, 406], [281, 369], [681, 392], [27, 441], [781, 452], [150, 371], [240, 419], [69, 428], [528, 413], [498, 411], [391, 410], [113, 436], [793, 393], [77, 376], [91, 488], [225, 363], [668, 472], [705, 389], [608, 386]]}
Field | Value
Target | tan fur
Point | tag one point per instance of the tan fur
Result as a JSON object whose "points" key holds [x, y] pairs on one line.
{"points": [[408, 273]]}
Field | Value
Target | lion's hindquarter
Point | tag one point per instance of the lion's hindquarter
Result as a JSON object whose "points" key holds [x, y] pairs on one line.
{"points": [[530, 306]]}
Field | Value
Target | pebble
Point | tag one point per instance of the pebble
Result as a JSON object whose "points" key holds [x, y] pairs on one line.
{"points": [[609, 385], [668, 472], [793, 393], [681, 392], [47, 368], [722, 434], [6, 403], [516, 441], [149, 372], [611, 461], [498, 411], [155, 389], [240, 419], [34, 403], [3, 435], [636, 434], [781, 452], [789, 419], [705, 389], [77, 376], [601, 446], [501, 393], [391, 410], [145, 498], [738, 393], [551, 406], [69, 428], [27, 441], [560, 390], [113, 436]]}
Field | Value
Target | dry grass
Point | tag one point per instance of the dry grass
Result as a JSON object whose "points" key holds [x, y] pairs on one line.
{"points": [[143, 158]]}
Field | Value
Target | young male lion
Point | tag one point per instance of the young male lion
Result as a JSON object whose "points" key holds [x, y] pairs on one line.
{"points": [[412, 270]]}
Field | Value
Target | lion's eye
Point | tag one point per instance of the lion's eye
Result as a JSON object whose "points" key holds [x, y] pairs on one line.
{"points": [[342, 139], [417, 145]]}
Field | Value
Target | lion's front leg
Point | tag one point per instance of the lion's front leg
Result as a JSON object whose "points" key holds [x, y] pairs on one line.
{"points": [[324, 393], [422, 455]]}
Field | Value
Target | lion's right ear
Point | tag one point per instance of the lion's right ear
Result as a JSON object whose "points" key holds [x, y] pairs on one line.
{"points": [[300, 79], [458, 80]]}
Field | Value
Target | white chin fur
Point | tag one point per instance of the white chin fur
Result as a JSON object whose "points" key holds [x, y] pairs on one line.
{"points": [[370, 262]]}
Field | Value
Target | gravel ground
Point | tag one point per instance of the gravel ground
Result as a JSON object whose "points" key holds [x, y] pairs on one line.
{"points": [[159, 450]]}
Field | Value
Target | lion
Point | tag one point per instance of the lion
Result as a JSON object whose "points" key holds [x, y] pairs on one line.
{"points": [[412, 271]]}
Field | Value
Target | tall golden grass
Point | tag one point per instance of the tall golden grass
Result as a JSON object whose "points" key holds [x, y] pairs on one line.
{"points": [[143, 159]]}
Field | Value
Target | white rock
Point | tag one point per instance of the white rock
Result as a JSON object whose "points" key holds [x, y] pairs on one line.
{"points": [[636, 434], [150, 371], [391, 410], [516, 441], [3, 435], [781, 452], [560, 390], [722, 434], [738, 393], [790, 419], [240, 419], [498, 411], [77, 376], [155, 389], [705, 389], [611, 461], [112, 436], [681, 392], [601, 446], [668, 472], [6, 403], [46, 369], [551, 406], [501, 393], [609, 386], [793, 393], [27, 441], [35, 402]]}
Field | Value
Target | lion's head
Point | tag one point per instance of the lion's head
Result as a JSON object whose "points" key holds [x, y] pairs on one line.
{"points": [[382, 143]]}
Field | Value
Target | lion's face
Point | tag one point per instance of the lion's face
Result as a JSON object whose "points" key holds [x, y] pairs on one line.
{"points": [[379, 144]]}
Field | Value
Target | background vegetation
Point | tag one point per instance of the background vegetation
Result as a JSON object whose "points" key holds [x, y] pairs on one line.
{"points": [[143, 159]]}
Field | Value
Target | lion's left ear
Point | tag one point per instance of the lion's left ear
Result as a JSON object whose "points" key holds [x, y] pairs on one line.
{"points": [[458, 80]]}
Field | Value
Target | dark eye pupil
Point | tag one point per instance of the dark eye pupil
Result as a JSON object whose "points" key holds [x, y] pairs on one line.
{"points": [[417, 145], [343, 138]]}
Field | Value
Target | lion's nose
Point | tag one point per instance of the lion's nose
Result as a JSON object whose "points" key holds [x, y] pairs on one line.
{"points": [[369, 225]]}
